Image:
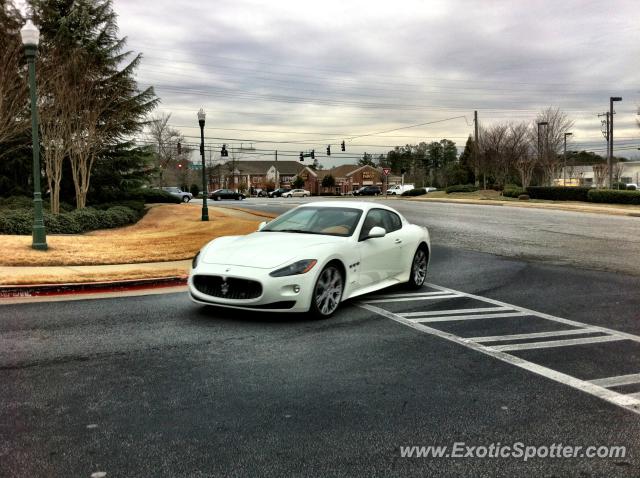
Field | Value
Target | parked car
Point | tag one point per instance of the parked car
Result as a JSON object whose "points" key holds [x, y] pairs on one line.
{"points": [[296, 193], [632, 187], [179, 193], [309, 266], [429, 189], [278, 192], [261, 193], [399, 189], [219, 194], [368, 191]]}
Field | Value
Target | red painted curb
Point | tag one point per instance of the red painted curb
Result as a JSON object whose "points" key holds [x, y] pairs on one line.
{"points": [[39, 290]]}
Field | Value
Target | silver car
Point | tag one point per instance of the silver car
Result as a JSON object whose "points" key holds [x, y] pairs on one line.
{"points": [[179, 193]]}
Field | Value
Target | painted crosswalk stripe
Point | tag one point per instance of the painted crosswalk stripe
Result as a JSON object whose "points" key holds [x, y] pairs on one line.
{"points": [[409, 299], [557, 343], [451, 318], [455, 311], [615, 381], [404, 294], [629, 402], [534, 335]]}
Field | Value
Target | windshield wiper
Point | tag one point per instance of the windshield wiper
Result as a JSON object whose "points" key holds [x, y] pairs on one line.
{"points": [[299, 231]]}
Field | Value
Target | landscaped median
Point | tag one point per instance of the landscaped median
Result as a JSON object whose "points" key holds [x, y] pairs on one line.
{"points": [[160, 245], [494, 198]]}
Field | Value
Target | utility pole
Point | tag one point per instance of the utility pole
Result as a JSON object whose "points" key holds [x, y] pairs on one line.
{"points": [[610, 155], [475, 148], [277, 172]]}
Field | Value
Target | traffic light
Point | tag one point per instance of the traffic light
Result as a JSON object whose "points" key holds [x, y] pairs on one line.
{"points": [[179, 148], [313, 154], [301, 156], [342, 146], [328, 150], [223, 151]]}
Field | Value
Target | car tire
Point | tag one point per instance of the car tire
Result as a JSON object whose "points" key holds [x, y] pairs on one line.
{"points": [[185, 199], [327, 292], [419, 266]]}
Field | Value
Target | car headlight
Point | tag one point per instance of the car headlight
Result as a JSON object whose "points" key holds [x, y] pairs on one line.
{"points": [[299, 267], [194, 262]]}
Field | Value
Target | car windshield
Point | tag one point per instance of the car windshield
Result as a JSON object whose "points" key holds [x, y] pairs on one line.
{"points": [[331, 221]]}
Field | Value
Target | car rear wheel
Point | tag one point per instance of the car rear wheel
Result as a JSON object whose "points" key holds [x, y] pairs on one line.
{"points": [[327, 293], [418, 269]]}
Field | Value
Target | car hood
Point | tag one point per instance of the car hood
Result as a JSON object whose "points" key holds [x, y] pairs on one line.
{"points": [[265, 250]]}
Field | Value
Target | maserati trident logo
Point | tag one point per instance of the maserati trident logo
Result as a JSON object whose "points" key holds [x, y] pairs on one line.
{"points": [[224, 287]]}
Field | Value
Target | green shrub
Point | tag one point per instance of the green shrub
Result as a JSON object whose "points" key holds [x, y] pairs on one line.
{"points": [[614, 196], [461, 188], [16, 202], [414, 192], [16, 221], [513, 192], [195, 190], [559, 193]]}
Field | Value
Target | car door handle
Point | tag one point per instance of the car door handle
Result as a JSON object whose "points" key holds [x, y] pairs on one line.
{"points": [[398, 241]]}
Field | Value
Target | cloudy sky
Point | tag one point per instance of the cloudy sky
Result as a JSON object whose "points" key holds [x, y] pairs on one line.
{"points": [[298, 75]]}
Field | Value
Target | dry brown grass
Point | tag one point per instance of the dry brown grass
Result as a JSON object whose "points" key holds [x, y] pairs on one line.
{"points": [[166, 233]]}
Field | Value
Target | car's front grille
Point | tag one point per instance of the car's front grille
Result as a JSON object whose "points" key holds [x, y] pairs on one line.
{"points": [[227, 288]]}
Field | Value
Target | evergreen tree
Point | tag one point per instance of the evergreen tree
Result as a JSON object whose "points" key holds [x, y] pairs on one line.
{"points": [[85, 33], [366, 160]]}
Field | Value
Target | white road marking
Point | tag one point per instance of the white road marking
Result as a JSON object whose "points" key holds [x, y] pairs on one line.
{"points": [[542, 315], [454, 311], [553, 333], [403, 294], [410, 299], [619, 380], [557, 343], [450, 318], [628, 402], [596, 388]]}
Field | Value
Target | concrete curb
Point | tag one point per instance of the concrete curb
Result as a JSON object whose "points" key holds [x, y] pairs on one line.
{"points": [[40, 290]]}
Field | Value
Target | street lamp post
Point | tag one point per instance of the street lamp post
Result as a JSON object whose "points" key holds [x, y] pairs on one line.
{"points": [[30, 36], [564, 170], [205, 210], [610, 152]]}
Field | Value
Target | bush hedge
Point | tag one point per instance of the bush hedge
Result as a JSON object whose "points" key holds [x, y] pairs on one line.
{"points": [[20, 221], [415, 192], [559, 193], [513, 192], [461, 188], [147, 195], [614, 196]]}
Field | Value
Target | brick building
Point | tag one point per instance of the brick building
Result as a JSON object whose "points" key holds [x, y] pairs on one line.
{"points": [[244, 175], [348, 178]]}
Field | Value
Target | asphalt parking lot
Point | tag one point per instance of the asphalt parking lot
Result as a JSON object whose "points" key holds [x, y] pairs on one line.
{"points": [[493, 350]]}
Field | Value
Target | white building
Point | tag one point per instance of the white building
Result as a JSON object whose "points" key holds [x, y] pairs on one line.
{"points": [[624, 172]]}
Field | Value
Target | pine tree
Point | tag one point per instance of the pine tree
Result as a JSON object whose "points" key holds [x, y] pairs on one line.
{"points": [[79, 40]]}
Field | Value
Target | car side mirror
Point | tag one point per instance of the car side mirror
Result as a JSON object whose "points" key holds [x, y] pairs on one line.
{"points": [[376, 231], [261, 225]]}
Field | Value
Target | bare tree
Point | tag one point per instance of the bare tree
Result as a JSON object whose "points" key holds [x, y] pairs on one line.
{"points": [[165, 140], [58, 100], [600, 171], [552, 141], [518, 149], [493, 143], [14, 107]]}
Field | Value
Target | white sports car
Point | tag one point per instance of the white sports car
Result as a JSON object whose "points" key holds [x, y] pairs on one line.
{"points": [[311, 258]]}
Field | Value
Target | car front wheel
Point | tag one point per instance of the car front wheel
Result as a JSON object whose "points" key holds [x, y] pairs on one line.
{"points": [[185, 199], [327, 293], [418, 269]]}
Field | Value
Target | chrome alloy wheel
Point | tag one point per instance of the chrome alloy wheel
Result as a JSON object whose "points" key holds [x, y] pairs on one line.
{"points": [[419, 268], [328, 290]]}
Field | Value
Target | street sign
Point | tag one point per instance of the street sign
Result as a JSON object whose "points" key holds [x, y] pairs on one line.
{"points": [[386, 171], [195, 166]]}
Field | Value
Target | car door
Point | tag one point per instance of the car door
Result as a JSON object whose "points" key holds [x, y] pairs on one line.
{"points": [[379, 257]]}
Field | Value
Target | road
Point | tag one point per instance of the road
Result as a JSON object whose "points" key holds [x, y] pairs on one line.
{"points": [[158, 386]]}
